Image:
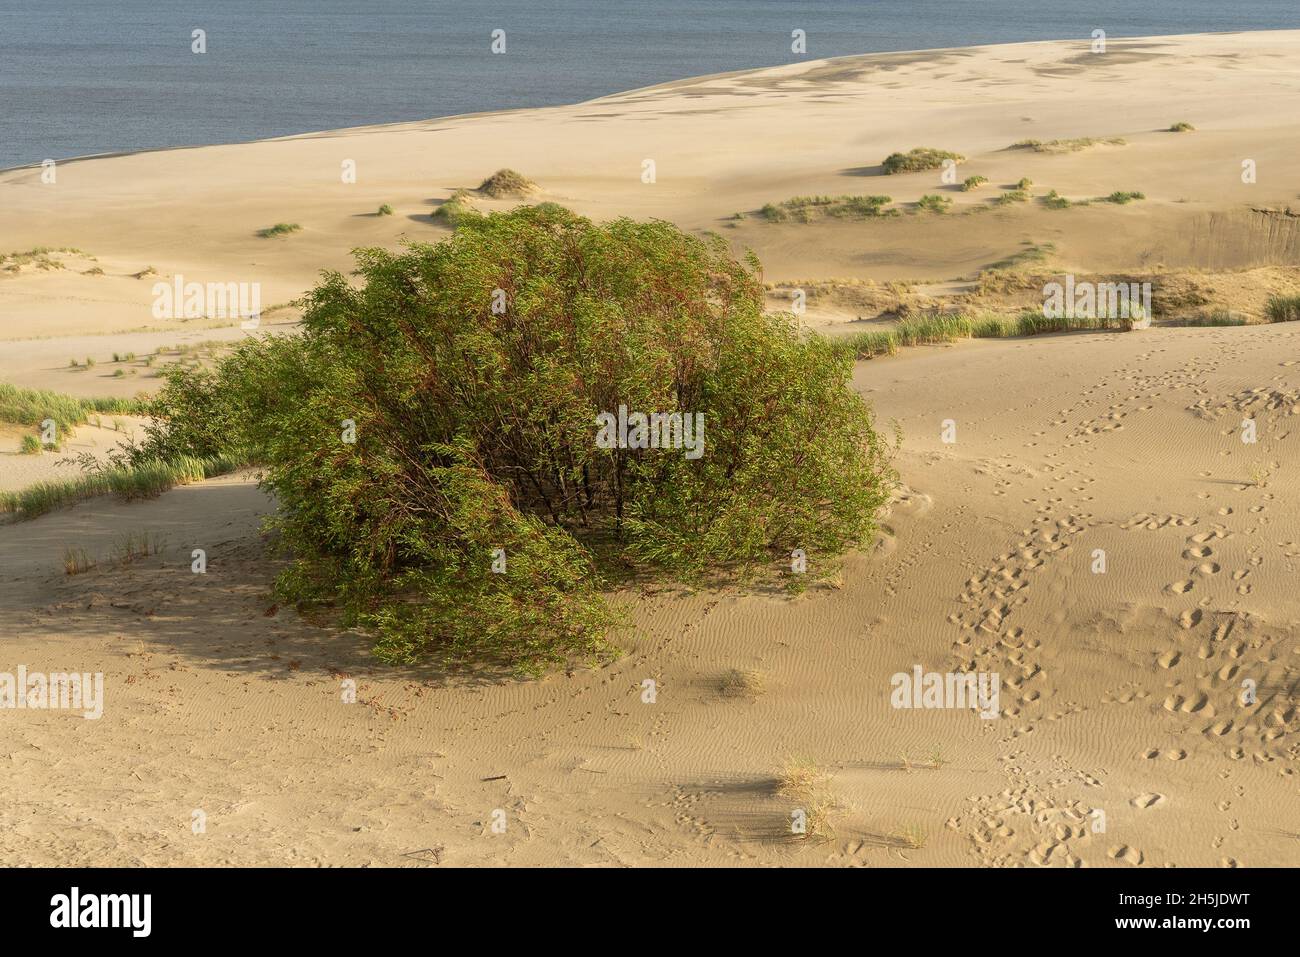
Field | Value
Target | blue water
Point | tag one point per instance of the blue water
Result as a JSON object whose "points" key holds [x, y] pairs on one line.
{"points": [[92, 76]]}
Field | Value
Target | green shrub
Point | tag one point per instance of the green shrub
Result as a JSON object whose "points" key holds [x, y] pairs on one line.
{"points": [[476, 431], [31, 445], [1055, 200], [384, 210], [934, 203], [1123, 198], [973, 182], [1181, 127], [918, 159]]}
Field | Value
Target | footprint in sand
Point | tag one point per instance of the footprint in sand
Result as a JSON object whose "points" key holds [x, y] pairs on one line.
{"points": [[1208, 568], [1180, 588], [1129, 855], [1190, 618], [1198, 551], [1148, 800]]}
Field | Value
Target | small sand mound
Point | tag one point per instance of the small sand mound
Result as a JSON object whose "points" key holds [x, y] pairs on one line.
{"points": [[506, 184]]}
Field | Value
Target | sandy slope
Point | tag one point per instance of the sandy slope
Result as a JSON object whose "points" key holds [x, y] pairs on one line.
{"points": [[1121, 688], [1121, 691]]}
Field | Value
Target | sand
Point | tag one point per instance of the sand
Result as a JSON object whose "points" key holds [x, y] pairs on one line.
{"points": [[1122, 741]]}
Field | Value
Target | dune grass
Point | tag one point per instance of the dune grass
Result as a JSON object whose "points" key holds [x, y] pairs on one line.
{"points": [[457, 206], [507, 184], [807, 209], [145, 480], [973, 182], [279, 229], [1181, 127], [1282, 308], [1067, 146], [1009, 197], [1122, 198], [1216, 317], [33, 406], [935, 328], [384, 210], [918, 159], [934, 203]]}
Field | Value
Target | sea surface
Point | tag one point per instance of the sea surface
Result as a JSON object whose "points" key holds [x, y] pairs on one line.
{"points": [[79, 77]]}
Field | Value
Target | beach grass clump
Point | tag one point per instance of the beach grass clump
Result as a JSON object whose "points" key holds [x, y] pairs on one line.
{"points": [[932, 328], [134, 546], [457, 207], [1122, 198], [507, 184], [1009, 197], [1181, 127], [76, 561], [973, 182], [384, 210], [1055, 200], [1216, 317], [1067, 145], [934, 203], [1281, 308], [41, 257], [1024, 183], [937, 328], [147, 479], [454, 479], [808, 209], [869, 345], [917, 160], [30, 445], [31, 407], [279, 229]]}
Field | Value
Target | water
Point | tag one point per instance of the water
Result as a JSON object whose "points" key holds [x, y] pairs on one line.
{"points": [[93, 76]]}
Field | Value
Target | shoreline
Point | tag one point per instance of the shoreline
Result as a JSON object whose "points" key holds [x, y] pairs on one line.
{"points": [[654, 87]]}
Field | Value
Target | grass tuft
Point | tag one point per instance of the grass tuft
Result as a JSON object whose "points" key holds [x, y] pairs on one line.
{"points": [[507, 184], [918, 159], [1281, 308], [146, 480], [279, 229]]}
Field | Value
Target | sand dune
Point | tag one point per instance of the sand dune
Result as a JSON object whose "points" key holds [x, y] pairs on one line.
{"points": [[1123, 738]]}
